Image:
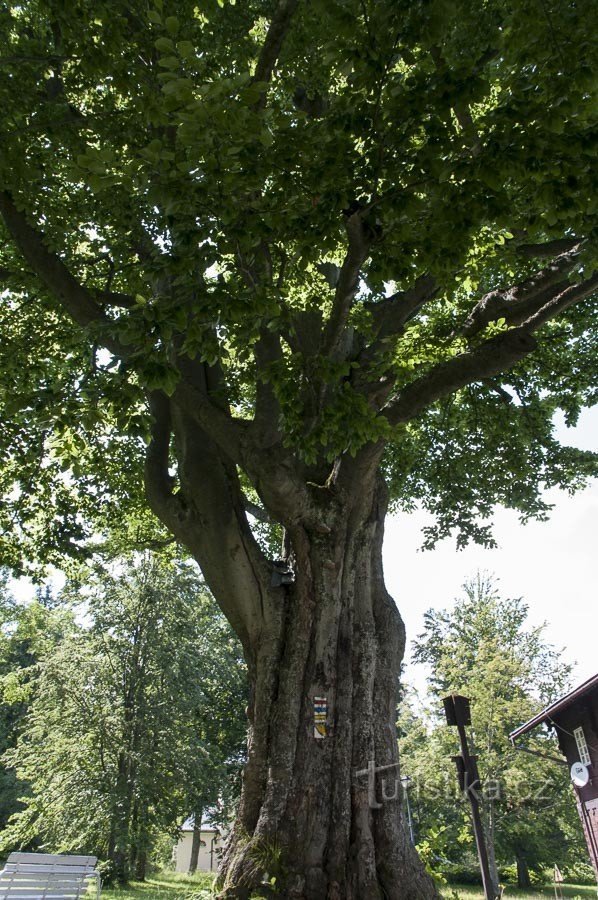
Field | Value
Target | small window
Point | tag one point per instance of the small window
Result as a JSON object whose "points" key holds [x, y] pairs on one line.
{"points": [[582, 747]]}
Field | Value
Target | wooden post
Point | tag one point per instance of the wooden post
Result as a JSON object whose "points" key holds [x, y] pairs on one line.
{"points": [[457, 713]]}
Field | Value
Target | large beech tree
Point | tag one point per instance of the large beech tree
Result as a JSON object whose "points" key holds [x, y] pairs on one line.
{"points": [[304, 256]]}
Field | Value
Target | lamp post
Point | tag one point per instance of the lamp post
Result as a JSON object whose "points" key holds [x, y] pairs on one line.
{"points": [[457, 712]]}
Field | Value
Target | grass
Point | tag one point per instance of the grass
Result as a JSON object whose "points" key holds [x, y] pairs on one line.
{"points": [[472, 892], [170, 886], [164, 886]]}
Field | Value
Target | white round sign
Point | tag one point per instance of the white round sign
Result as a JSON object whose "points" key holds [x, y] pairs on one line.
{"points": [[579, 774]]}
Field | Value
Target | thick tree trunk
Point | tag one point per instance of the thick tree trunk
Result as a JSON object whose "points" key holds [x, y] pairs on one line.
{"points": [[320, 816], [141, 864], [523, 878]]}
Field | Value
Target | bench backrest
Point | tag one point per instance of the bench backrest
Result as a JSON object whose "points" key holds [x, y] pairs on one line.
{"points": [[31, 876]]}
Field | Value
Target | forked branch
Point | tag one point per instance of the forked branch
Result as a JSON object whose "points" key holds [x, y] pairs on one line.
{"points": [[76, 299], [347, 285], [391, 314], [492, 357], [158, 483], [517, 303]]}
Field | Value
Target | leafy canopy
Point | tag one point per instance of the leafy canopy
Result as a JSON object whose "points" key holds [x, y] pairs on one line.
{"points": [[353, 216]]}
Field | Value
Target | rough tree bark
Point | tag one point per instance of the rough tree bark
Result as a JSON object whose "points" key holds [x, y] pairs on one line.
{"points": [[306, 813], [307, 818]]}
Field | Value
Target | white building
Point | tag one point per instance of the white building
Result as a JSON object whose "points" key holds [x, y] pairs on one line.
{"points": [[211, 842]]}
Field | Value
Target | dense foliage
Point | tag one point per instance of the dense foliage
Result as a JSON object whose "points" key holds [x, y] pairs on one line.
{"points": [[255, 204], [295, 256], [133, 716], [485, 649]]}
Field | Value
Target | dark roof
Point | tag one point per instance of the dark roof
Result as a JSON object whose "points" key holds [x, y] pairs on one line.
{"points": [[556, 707], [206, 825]]}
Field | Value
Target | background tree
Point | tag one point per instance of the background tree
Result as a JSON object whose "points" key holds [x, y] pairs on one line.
{"points": [[485, 649], [27, 633], [308, 252], [132, 717], [9, 713]]}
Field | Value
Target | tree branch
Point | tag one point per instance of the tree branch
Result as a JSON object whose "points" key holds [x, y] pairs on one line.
{"points": [[516, 303], [272, 45], [549, 249], [389, 318], [574, 293], [494, 356], [258, 512], [215, 528], [392, 313], [347, 285], [461, 110], [193, 396], [158, 483], [114, 298], [267, 351], [78, 302], [274, 475]]}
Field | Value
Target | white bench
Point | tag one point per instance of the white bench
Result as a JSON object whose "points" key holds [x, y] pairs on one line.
{"points": [[40, 876]]}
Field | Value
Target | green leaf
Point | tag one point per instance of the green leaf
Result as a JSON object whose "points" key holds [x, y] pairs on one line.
{"points": [[164, 44]]}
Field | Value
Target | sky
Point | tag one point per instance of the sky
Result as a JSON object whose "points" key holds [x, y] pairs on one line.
{"points": [[553, 565]]}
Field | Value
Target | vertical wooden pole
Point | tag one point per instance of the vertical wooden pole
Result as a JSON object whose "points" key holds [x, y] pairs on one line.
{"points": [[478, 828], [457, 711]]}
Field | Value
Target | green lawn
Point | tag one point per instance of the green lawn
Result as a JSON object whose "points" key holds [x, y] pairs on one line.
{"points": [[469, 892], [167, 886]]}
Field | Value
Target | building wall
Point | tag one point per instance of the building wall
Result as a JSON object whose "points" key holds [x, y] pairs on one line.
{"points": [[206, 862], [584, 713]]}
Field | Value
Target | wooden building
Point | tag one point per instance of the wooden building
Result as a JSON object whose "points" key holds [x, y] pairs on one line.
{"points": [[574, 719]]}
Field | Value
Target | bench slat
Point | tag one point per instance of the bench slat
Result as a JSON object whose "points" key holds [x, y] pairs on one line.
{"points": [[20, 889], [48, 858], [17, 890], [29, 895], [50, 884], [43, 888], [58, 881], [49, 870], [18, 874]]}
